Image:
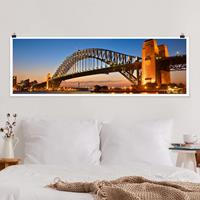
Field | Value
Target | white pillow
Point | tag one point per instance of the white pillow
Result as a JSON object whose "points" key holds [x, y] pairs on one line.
{"points": [[145, 142], [61, 142]]}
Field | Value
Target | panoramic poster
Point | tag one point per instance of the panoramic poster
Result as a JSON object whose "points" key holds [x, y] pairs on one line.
{"points": [[99, 66]]}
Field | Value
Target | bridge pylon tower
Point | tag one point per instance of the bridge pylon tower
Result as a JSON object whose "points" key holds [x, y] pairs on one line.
{"points": [[152, 72]]}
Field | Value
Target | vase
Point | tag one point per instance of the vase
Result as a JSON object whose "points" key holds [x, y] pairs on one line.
{"points": [[9, 146]]}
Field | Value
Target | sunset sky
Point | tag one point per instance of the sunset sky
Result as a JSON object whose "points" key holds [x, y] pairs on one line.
{"points": [[34, 58]]}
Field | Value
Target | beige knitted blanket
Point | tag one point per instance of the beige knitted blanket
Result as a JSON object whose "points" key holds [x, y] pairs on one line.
{"points": [[133, 188]]}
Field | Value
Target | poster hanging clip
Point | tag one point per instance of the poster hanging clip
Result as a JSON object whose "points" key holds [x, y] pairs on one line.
{"points": [[14, 35], [182, 35]]}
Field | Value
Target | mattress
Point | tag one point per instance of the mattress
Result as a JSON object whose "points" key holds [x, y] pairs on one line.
{"points": [[24, 182]]}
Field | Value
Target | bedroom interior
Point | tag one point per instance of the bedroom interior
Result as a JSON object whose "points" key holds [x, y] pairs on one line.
{"points": [[102, 147]]}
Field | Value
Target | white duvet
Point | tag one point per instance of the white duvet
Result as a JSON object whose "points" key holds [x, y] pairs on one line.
{"points": [[27, 182]]}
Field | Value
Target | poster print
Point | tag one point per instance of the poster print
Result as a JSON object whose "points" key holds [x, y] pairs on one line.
{"points": [[99, 66]]}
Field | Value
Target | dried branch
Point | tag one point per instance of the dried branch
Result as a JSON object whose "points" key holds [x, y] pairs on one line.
{"points": [[9, 125]]}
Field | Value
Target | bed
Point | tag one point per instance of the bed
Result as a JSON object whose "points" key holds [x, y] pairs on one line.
{"points": [[24, 182], [88, 151]]}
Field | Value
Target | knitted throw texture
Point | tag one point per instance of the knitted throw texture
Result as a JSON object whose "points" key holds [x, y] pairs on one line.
{"points": [[133, 188]]}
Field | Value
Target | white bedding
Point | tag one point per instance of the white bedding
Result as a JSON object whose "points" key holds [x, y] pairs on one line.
{"points": [[27, 182]]}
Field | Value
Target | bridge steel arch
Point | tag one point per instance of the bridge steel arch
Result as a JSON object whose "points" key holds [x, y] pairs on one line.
{"points": [[109, 57]]}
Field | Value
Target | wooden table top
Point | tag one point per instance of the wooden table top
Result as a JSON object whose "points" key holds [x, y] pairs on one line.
{"points": [[185, 148], [9, 160]]}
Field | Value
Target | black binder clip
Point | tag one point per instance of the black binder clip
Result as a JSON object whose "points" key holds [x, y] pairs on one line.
{"points": [[14, 35], [182, 35]]}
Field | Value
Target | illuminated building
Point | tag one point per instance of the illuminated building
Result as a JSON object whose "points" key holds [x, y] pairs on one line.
{"points": [[14, 81], [48, 79]]}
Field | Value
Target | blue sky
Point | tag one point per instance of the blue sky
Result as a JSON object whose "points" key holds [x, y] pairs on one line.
{"points": [[34, 58]]}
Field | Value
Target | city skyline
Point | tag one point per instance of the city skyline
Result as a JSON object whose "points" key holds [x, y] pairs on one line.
{"points": [[34, 58]]}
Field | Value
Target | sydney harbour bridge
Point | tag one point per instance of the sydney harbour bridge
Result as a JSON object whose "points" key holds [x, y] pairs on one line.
{"points": [[94, 61]]}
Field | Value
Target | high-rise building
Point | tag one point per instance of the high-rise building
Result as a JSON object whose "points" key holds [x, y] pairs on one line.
{"points": [[48, 79], [14, 81]]}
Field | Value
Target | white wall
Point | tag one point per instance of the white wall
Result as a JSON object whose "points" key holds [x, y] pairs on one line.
{"points": [[103, 18]]}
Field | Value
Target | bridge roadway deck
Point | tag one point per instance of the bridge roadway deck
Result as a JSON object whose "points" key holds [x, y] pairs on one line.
{"points": [[168, 63]]}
